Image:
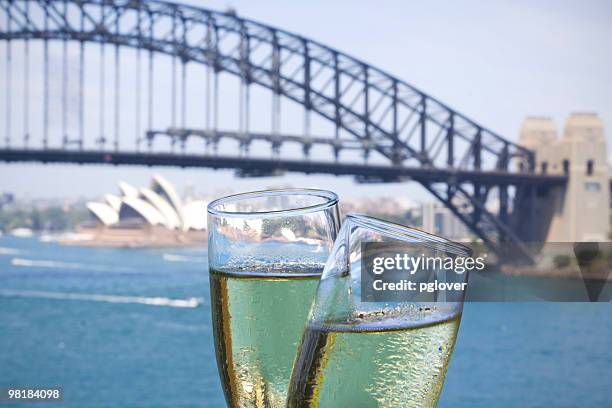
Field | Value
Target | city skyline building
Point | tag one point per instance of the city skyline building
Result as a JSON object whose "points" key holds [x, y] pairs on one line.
{"points": [[438, 219]]}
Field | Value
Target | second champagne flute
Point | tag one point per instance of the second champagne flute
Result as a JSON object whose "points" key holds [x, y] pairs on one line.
{"points": [[360, 350], [266, 252]]}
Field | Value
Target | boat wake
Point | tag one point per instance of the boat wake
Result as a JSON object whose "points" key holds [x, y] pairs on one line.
{"points": [[151, 301], [8, 251], [183, 258], [45, 263]]}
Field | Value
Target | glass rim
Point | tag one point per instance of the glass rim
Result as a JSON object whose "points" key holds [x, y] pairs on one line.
{"points": [[402, 232], [329, 200]]}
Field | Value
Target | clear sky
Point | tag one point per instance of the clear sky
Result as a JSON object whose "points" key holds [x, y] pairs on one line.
{"points": [[496, 62]]}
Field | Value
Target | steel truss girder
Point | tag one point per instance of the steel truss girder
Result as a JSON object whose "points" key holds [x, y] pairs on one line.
{"points": [[379, 92], [383, 113]]}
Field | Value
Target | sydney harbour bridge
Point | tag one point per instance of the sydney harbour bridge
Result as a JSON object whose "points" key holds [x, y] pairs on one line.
{"points": [[123, 82]]}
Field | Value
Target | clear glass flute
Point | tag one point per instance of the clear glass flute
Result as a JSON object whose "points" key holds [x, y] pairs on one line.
{"points": [[266, 251], [391, 352]]}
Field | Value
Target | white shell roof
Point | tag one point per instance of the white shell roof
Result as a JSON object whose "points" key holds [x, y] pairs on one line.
{"points": [[103, 212], [127, 190], [171, 218], [194, 214], [113, 201], [165, 188], [145, 209], [158, 205]]}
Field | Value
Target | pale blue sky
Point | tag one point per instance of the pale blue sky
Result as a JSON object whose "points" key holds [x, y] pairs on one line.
{"points": [[494, 61]]}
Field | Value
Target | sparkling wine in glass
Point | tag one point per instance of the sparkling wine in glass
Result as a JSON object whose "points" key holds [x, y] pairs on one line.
{"points": [[266, 254], [393, 353]]}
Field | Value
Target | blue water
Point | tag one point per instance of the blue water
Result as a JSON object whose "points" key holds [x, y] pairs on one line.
{"points": [[109, 348]]}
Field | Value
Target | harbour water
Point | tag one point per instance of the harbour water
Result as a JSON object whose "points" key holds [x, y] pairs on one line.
{"points": [[118, 327]]}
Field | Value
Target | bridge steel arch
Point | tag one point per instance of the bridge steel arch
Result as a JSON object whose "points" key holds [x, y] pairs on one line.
{"points": [[383, 115]]}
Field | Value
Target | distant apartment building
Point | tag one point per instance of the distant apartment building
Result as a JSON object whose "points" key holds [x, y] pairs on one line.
{"points": [[439, 220], [610, 178], [580, 210], [6, 199], [379, 205]]}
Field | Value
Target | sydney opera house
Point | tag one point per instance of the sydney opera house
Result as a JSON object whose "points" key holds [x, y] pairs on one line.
{"points": [[153, 216]]}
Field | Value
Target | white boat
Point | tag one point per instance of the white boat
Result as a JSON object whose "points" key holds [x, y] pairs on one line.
{"points": [[47, 238], [22, 232]]}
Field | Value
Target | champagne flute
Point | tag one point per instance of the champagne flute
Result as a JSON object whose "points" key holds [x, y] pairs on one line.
{"points": [[266, 250], [392, 352]]}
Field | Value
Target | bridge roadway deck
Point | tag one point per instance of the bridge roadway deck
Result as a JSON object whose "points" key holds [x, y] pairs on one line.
{"points": [[258, 166]]}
